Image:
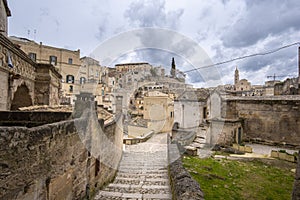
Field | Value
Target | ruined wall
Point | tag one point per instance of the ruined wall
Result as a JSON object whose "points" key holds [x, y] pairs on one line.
{"points": [[275, 119], [31, 118], [47, 85], [52, 161], [223, 132], [296, 189]]}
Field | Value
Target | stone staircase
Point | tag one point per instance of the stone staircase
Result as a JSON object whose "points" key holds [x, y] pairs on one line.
{"points": [[142, 173]]}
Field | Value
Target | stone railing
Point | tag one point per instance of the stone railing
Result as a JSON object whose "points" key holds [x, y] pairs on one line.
{"points": [[183, 186]]}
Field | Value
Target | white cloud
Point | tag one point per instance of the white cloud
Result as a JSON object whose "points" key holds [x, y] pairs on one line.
{"points": [[224, 29]]}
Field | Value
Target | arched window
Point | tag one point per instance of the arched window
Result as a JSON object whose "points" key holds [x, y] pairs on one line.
{"points": [[70, 79], [82, 80]]}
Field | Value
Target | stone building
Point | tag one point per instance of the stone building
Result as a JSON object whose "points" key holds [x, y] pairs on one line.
{"points": [[287, 87], [159, 110], [23, 82], [66, 62], [17, 75], [189, 108], [242, 85], [126, 67]]}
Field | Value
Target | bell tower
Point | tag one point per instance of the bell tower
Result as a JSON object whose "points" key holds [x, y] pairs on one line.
{"points": [[236, 76], [173, 68]]}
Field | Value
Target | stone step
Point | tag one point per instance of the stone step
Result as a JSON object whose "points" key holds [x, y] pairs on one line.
{"points": [[143, 171], [142, 189], [104, 195], [144, 181], [149, 166], [153, 175]]}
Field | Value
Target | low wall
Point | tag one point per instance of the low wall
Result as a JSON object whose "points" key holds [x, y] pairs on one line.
{"points": [[183, 137], [137, 131], [296, 189], [56, 161], [183, 185]]}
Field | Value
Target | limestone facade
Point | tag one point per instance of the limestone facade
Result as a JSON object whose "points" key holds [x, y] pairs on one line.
{"points": [[159, 110], [17, 74], [4, 13], [266, 118], [47, 85], [67, 63]]}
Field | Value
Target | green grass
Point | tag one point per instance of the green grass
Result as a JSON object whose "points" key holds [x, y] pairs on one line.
{"points": [[228, 179]]}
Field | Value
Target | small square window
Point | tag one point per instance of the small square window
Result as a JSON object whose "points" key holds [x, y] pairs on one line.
{"points": [[70, 61], [32, 56], [53, 60]]}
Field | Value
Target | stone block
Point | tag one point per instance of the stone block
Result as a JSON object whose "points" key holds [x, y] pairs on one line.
{"points": [[281, 155], [290, 158], [192, 151], [242, 148], [274, 154], [235, 146], [248, 149]]}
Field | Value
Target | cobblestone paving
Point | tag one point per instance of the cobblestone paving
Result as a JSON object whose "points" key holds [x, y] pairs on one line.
{"points": [[142, 172]]}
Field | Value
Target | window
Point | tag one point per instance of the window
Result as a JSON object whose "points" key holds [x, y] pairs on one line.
{"points": [[70, 79], [171, 114], [82, 80], [71, 88], [32, 56], [53, 60], [70, 61]]}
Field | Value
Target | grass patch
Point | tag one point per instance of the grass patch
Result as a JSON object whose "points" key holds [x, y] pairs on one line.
{"points": [[228, 179]]}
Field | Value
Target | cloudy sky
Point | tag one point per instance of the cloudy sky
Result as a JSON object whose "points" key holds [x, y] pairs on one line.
{"points": [[224, 29]]}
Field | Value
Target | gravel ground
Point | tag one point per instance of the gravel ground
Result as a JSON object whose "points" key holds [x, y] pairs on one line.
{"points": [[266, 150]]}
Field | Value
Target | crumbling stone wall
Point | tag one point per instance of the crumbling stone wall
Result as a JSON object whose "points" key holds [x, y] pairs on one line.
{"points": [[53, 161], [31, 118], [184, 187], [296, 190], [274, 119]]}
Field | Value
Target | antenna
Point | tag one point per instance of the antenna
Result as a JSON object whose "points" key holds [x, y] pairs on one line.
{"points": [[275, 76], [34, 36]]}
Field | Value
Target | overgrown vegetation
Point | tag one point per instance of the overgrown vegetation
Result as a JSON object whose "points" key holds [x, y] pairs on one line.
{"points": [[231, 179]]}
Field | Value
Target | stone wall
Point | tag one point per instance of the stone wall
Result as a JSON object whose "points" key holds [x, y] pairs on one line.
{"points": [[296, 190], [47, 85], [31, 118], [58, 161], [273, 119], [184, 187]]}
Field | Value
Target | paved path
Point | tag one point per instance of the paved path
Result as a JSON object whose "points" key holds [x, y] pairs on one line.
{"points": [[142, 172]]}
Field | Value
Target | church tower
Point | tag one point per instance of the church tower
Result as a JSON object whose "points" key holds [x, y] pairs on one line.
{"points": [[236, 76], [173, 69]]}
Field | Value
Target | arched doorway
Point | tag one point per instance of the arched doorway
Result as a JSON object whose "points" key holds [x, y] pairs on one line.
{"points": [[21, 98]]}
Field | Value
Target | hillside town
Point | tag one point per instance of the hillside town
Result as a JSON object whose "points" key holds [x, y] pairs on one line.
{"points": [[72, 128]]}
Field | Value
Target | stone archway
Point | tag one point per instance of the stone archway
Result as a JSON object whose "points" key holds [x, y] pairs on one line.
{"points": [[21, 98], [176, 126]]}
